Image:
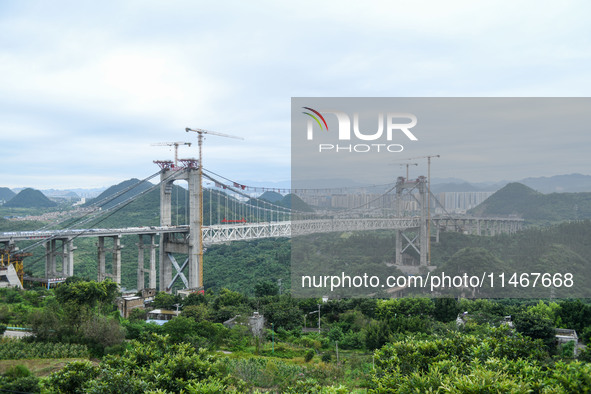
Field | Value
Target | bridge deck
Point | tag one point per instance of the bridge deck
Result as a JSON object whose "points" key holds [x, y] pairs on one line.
{"points": [[248, 231]]}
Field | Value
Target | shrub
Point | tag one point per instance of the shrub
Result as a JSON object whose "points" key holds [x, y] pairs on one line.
{"points": [[326, 357], [17, 371], [309, 355], [568, 349]]}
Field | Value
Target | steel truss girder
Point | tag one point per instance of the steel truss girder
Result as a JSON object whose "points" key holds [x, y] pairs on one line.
{"points": [[225, 232]]}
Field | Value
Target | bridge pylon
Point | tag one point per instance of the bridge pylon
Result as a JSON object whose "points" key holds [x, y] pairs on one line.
{"points": [[413, 237], [190, 244]]}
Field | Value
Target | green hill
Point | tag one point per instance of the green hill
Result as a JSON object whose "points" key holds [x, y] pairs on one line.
{"points": [[103, 200], [519, 200], [271, 196], [6, 194], [30, 198], [561, 248], [292, 201]]}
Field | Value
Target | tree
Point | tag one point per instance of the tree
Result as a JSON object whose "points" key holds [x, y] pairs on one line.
{"points": [[283, 313], [265, 288], [536, 327], [164, 300], [335, 334], [102, 330], [575, 315], [446, 309], [228, 298], [376, 335], [196, 312], [390, 309], [72, 378], [88, 293]]}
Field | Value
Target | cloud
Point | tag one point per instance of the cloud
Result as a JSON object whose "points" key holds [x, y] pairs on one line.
{"points": [[88, 86]]}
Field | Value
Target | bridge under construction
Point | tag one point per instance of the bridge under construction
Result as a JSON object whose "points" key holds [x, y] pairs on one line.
{"points": [[404, 207]]}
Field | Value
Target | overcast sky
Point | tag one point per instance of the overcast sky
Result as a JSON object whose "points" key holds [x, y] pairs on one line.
{"points": [[87, 87]]}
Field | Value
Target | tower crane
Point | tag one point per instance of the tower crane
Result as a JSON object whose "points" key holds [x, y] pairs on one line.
{"points": [[200, 133], [408, 165], [176, 148]]}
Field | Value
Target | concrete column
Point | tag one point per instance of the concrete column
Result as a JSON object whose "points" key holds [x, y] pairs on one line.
{"points": [[165, 263], [101, 259], [48, 259], [117, 259], [165, 220], [141, 270], [195, 238], [398, 247], [140, 264], [53, 263], [64, 256], [69, 259], [423, 242], [165, 198], [152, 275]]}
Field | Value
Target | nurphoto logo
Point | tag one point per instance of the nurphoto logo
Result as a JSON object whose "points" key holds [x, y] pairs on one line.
{"points": [[388, 125]]}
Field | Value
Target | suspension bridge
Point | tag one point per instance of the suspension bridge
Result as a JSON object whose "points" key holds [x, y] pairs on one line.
{"points": [[236, 212]]}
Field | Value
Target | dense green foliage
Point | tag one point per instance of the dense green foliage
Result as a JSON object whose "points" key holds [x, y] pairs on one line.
{"points": [[155, 363], [242, 265], [418, 345], [18, 349]]}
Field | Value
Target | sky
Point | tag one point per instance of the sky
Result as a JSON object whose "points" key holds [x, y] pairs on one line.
{"points": [[87, 87]]}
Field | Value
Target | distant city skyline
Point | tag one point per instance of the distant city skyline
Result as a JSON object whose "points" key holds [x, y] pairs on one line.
{"points": [[87, 88]]}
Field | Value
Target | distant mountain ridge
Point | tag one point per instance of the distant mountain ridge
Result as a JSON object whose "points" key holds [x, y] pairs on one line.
{"points": [[570, 183], [111, 191], [290, 201], [454, 187], [520, 200], [30, 198], [271, 196], [6, 194]]}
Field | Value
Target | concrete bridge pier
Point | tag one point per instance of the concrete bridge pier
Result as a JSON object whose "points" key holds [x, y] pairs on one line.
{"points": [[141, 270], [116, 252], [417, 238], [192, 244], [65, 252]]}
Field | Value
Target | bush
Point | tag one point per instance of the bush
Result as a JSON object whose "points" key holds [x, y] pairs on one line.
{"points": [[568, 349], [18, 349], [72, 377], [309, 355], [352, 340], [326, 357], [585, 355], [309, 342], [29, 384], [17, 371]]}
